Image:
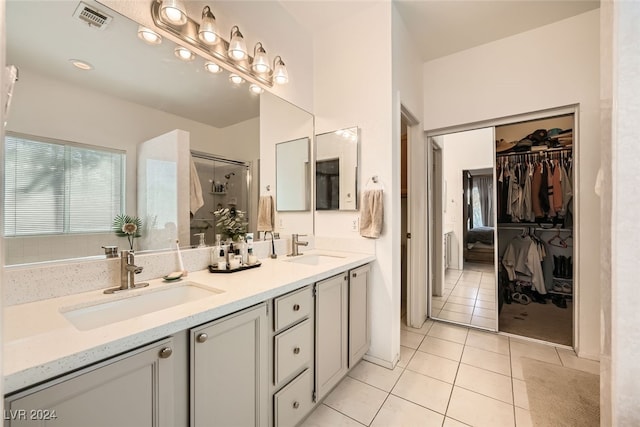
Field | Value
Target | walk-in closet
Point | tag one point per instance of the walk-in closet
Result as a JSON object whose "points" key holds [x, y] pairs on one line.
{"points": [[535, 216]]}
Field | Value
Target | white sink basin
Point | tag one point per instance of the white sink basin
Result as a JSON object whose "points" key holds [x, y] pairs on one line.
{"points": [[314, 259], [94, 315]]}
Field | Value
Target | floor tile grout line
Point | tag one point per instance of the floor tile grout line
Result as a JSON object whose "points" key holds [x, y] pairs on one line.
{"points": [[346, 415]]}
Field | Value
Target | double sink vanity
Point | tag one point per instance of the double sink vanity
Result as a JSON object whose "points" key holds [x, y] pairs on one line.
{"points": [[258, 347]]}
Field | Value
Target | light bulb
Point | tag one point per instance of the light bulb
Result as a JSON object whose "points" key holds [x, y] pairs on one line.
{"points": [[208, 32], [280, 74], [260, 61], [184, 54], [254, 88], [237, 46], [212, 67], [149, 36], [174, 12], [236, 79]]}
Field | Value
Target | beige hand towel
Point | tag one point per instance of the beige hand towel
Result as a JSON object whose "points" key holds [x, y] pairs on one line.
{"points": [[265, 213], [196, 201], [371, 213]]}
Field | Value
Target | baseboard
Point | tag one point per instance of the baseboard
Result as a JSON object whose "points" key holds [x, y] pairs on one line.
{"points": [[382, 362]]}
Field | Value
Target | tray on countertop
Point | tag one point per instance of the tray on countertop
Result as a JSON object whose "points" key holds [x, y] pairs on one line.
{"points": [[213, 269]]}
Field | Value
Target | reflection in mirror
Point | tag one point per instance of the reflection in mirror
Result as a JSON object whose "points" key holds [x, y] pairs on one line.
{"points": [[292, 175], [463, 250], [337, 170], [134, 93]]}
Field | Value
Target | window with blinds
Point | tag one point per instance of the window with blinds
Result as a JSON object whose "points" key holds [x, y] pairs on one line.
{"points": [[55, 187]]}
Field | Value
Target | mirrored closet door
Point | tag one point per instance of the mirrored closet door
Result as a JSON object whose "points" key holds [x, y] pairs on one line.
{"points": [[463, 250]]}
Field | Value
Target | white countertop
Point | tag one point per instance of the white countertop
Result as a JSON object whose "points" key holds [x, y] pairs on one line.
{"points": [[40, 343]]}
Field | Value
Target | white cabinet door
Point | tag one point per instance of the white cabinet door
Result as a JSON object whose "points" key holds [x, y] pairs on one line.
{"points": [[331, 332], [132, 390], [358, 314], [229, 377]]}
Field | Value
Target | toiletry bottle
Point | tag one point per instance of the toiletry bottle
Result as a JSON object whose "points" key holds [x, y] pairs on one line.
{"points": [[251, 258], [230, 252], [243, 251], [215, 251]]}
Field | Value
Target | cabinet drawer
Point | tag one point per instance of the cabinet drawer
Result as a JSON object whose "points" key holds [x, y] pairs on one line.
{"points": [[294, 401], [292, 351], [292, 307]]}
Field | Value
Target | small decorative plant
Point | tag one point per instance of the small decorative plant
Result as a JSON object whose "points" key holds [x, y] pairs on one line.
{"points": [[231, 223], [129, 226]]}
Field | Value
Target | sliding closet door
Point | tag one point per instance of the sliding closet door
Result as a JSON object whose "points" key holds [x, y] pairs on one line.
{"points": [[463, 249]]}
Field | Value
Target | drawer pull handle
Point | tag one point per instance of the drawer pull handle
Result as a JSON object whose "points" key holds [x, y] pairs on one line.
{"points": [[296, 307], [296, 405], [166, 352], [354, 275], [202, 337], [296, 350]]}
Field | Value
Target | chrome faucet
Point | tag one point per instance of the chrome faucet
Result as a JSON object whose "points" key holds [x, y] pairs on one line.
{"points": [[128, 270], [295, 243]]}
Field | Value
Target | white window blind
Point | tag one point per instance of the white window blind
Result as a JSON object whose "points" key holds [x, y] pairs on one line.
{"points": [[53, 187]]}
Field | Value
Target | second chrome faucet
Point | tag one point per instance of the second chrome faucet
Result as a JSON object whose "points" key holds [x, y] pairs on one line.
{"points": [[295, 243]]}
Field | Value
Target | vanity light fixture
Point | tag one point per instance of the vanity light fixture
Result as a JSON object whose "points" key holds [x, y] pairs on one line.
{"points": [[208, 31], [231, 55], [212, 67], [237, 47], [149, 36], [184, 54], [80, 64], [235, 79], [174, 11], [254, 88], [260, 62], [280, 74]]}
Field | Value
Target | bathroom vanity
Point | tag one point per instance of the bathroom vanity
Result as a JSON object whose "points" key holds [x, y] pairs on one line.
{"points": [[261, 347]]}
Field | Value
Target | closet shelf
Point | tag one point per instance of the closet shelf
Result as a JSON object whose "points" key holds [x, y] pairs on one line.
{"points": [[535, 225]]}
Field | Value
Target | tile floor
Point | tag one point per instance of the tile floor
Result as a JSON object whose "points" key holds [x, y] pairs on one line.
{"points": [[447, 376], [469, 296]]}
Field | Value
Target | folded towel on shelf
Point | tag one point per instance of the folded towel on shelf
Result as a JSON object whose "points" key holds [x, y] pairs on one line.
{"points": [[196, 201], [265, 213], [371, 213]]}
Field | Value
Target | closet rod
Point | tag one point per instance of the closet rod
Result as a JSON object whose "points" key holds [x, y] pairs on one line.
{"points": [[539, 153], [529, 227]]}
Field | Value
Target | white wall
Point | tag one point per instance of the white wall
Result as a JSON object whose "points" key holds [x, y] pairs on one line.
{"points": [[407, 95], [621, 339], [507, 77], [462, 151], [280, 122], [349, 92]]}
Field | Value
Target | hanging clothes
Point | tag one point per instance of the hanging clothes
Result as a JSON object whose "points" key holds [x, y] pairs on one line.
{"points": [[522, 260]]}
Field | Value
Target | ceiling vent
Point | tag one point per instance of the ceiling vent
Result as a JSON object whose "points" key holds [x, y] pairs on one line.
{"points": [[92, 16]]}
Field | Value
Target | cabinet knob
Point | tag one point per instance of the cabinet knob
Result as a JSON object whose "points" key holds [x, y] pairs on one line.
{"points": [[166, 352], [296, 350], [296, 307], [296, 405], [202, 337]]}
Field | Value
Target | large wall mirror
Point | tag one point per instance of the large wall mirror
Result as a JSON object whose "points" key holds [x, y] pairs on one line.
{"points": [[132, 93], [337, 170]]}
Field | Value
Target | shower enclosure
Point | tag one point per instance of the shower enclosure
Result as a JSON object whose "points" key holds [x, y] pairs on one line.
{"points": [[225, 183]]}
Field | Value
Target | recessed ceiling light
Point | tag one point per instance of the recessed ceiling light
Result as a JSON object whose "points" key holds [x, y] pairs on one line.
{"points": [[212, 67], [82, 65], [184, 53], [149, 36]]}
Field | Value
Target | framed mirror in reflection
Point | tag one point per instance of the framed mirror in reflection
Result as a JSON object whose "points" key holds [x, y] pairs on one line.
{"points": [[130, 93], [337, 170]]}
